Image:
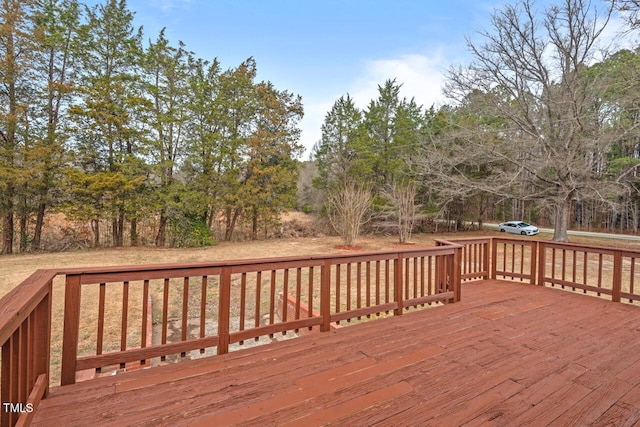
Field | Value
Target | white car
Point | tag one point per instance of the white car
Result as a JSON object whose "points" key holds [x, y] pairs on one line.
{"points": [[518, 227]]}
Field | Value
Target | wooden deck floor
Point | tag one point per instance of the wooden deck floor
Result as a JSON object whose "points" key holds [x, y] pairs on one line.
{"points": [[508, 354]]}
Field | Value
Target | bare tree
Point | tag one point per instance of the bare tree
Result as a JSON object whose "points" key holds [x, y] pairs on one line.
{"points": [[348, 208], [547, 133], [630, 10], [402, 197]]}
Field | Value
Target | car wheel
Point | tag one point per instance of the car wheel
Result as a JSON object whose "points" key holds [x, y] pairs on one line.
{"points": [[502, 230], [523, 233]]}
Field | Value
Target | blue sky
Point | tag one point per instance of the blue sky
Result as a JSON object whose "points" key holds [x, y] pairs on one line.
{"points": [[322, 49]]}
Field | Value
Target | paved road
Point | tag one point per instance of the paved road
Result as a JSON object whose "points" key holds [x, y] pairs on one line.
{"points": [[582, 233]]}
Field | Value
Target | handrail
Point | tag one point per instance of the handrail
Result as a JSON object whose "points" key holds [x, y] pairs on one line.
{"points": [[25, 334], [371, 283], [474, 255], [241, 296], [351, 285]]}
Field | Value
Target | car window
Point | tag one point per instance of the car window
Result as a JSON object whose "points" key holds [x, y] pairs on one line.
{"points": [[523, 224]]}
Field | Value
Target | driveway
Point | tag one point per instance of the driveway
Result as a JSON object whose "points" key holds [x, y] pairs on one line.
{"points": [[580, 233]]}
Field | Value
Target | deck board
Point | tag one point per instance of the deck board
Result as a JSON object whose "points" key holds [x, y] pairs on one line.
{"points": [[508, 354]]}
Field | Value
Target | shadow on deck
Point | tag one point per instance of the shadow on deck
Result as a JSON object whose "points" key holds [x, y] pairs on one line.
{"points": [[507, 354]]}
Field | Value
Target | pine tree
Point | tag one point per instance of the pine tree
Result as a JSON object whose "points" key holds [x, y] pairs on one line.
{"points": [[57, 24], [167, 74], [16, 49], [107, 138], [343, 151]]}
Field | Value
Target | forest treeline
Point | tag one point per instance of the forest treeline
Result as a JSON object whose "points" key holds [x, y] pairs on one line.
{"points": [[541, 126], [108, 128], [116, 129]]}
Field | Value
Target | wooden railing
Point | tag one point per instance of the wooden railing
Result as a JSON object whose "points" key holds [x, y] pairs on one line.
{"points": [[208, 307], [25, 334], [590, 269], [475, 256], [514, 259], [201, 308], [595, 270]]}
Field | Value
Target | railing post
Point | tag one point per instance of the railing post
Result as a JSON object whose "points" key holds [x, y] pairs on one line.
{"points": [[487, 255], [494, 258], [325, 296], [534, 255], [617, 276], [6, 381], [440, 276], [42, 345], [398, 284], [224, 307], [71, 329], [542, 263], [456, 274]]}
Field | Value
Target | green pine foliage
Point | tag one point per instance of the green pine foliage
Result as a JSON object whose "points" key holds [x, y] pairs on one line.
{"points": [[115, 134]]}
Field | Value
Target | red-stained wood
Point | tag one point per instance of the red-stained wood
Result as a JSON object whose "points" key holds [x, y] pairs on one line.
{"points": [[243, 302], [451, 264], [22, 300], [101, 303], [125, 313], [145, 313], [8, 380], [285, 292], [617, 276], [298, 291], [272, 298], [272, 329], [346, 315], [310, 293], [325, 296], [165, 310], [427, 299], [131, 355], [185, 309], [71, 330], [397, 284], [456, 276], [258, 293], [42, 338], [224, 305], [40, 389], [508, 353]]}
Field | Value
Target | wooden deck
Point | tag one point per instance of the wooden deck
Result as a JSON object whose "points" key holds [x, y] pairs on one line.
{"points": [[507, 354]]}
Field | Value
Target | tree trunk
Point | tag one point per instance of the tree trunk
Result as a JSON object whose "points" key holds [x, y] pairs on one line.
{"points": [[210, 214], [160, 236], [24, 232], [121, 229], [37, 234], [95, 226], [561, 220], [7, 232], [254, 224], [134, 232], [231, 223], [117, 229]]}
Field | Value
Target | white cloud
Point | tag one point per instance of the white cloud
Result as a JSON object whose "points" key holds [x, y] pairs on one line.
{"points": [[168, 5], [311, 124], [421, 77]]}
